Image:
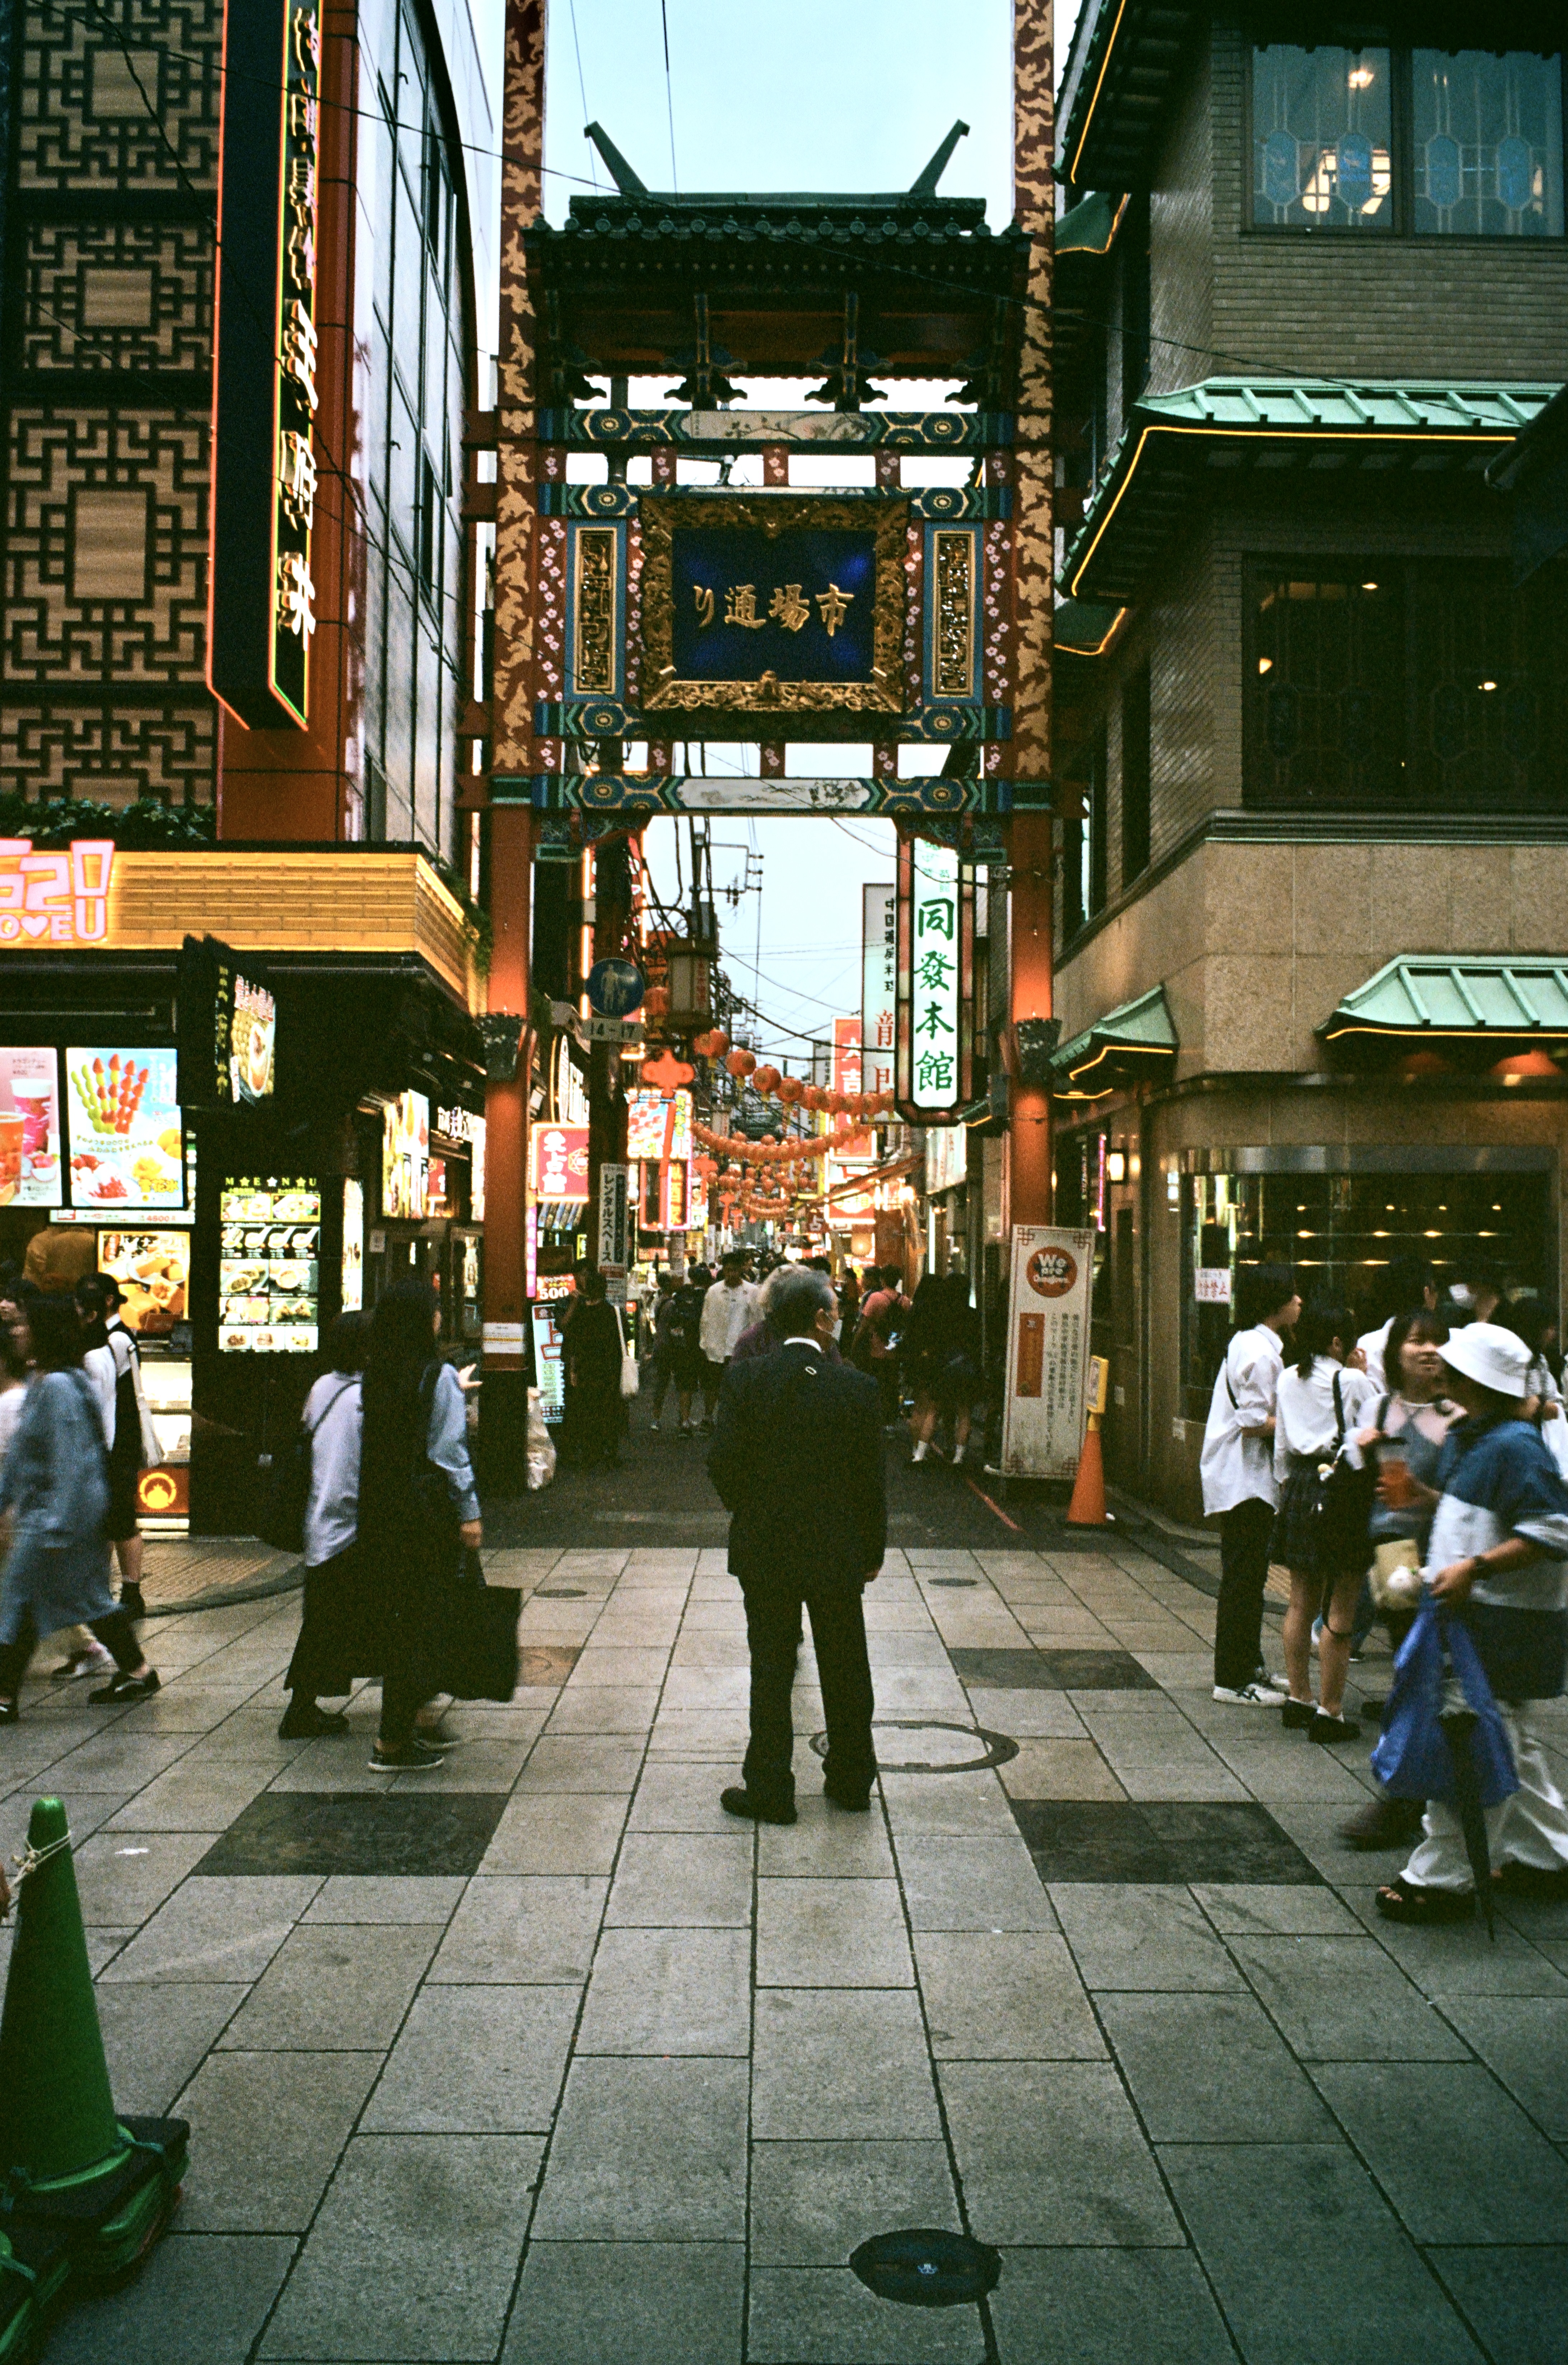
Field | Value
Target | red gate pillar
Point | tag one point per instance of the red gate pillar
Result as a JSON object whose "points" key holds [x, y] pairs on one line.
{"points": [[504, 1416], [1034, 206]]}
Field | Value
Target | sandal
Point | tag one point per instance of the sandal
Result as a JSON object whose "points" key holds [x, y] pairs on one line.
{"points": [[1404, 1900]]}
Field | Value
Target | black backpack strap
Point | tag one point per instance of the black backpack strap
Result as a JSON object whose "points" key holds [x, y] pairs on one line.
{"points": [[1230, 1389], [1338, 1413], [327, 1408]]}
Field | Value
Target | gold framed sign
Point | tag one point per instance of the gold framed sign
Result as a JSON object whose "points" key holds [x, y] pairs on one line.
{"points": [[772, 603]]}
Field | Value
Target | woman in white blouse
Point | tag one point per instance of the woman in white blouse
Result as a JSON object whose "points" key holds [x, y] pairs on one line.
{"points": [[1321, 1398]]}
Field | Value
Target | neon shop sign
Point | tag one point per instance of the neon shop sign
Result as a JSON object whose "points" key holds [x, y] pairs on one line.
{"points": [[57, 897]]}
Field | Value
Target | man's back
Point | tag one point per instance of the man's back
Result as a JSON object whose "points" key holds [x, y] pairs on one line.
{"points": [[798, 1460]]}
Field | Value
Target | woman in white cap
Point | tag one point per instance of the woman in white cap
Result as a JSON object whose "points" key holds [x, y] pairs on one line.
{"points": [[1497, 1556]]}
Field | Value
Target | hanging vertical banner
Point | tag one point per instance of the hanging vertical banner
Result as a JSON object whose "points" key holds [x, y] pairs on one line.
{"points": [[262, 596], [846, 1054], [612, 1213], [878, 986], [1047, 1351], [935, 983]]}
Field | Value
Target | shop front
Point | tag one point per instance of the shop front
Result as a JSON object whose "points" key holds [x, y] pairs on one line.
{"points": [[238, 1200]]}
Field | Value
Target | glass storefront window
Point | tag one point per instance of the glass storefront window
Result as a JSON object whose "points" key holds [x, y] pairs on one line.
{"points": [[1488, 140], [1340, 1232], [1321, 139]]}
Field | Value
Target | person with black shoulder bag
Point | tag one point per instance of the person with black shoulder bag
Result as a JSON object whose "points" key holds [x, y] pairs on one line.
{"points": [[1240, 1489], [1321, 1530], [331, 1650]]}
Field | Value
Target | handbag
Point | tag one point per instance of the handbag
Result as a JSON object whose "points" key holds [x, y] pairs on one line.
{"points": [[282, 1523], [1344, 1503], [1436, 1671], [630, 1382], [477, 1658]]}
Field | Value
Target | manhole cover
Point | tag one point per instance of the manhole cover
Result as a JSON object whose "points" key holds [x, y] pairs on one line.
{"points": [[954, 1583], [559, 1593], [927, 2267], [944, 1748]]}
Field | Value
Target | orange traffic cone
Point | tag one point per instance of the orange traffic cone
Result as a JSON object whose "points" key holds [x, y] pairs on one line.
{"points": [[1087, 1509]]}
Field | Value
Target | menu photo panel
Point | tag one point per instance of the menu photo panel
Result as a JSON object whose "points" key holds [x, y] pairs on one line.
{"points": [[31, 1168], [125, 1130]]}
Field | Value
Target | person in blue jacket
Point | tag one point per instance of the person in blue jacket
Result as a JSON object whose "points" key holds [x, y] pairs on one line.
{"points": [[1498, 1557]]}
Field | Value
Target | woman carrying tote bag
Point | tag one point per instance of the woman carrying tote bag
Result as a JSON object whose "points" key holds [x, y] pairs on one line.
{"points": [[1320, 1530]]}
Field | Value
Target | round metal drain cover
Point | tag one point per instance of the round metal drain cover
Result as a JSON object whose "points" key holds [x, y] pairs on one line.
{"points": [[927, 2267], [559, 1593], [949, 1748]]}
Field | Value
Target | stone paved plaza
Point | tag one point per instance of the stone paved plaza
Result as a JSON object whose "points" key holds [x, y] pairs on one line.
{"points": [[543, 2058]]}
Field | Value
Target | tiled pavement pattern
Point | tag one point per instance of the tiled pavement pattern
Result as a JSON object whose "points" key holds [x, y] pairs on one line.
{"points": [[543, 2059]]}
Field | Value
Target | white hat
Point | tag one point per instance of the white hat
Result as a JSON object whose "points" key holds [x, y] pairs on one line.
{"points": [[1493, 1357]]}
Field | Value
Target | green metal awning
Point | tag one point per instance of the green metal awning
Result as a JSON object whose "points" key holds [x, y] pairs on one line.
{"points": [[1084, 628], [1089, 227], [1120, 65], [1498, 1002], [1133, 1044], [1181, 445]]}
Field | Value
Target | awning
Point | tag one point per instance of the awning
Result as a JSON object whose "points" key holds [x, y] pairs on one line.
{"points": [[1495, 1004], [1134, 1044], [1181, 445], [1085, 628]]}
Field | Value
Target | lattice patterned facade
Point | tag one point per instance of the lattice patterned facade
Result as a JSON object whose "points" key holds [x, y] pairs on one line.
{"points": [[106, 355]]}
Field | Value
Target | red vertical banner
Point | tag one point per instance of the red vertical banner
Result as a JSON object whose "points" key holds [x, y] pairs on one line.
{"points": [[846, 1054]]}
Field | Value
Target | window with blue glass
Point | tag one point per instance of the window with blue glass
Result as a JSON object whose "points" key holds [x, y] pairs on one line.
{"points": [[1404, 684], [1486, 136], [1423, 142], [1322, 139]]}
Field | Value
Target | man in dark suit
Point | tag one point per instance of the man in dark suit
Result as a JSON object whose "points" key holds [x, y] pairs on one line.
{"points": [[797, 1458]]}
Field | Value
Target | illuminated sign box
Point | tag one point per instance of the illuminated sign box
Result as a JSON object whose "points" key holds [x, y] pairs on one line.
{"points": [[57, 895]]}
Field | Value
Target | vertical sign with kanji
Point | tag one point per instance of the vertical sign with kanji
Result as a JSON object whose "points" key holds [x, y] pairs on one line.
{"points": [[261, 603], [878, 986], [935, 961], [294, 465]]}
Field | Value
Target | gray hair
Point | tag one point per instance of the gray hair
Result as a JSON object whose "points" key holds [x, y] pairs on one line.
{"points": [[792, 1297]]}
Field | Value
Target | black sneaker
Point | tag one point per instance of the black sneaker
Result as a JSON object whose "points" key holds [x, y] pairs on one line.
{"points": [[413, 1758], [859, 1804], [124, 1689], [310, 1722], [1333, 1727], [755, 1809]]}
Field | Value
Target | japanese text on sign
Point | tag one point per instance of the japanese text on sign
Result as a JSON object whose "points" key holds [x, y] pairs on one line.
{"points": [[294, 467], [1049, 1304], [935, 976]]}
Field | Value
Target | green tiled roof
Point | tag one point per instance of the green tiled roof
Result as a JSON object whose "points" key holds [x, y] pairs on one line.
{"points": [[1523, 996], [1082, 627], [1136, 1039], [1177, 444], [1089, 227]]}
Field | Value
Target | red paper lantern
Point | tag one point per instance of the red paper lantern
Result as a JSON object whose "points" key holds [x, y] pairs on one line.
{"points": [[790, 1090], [741, 1063], [767, 1079], [656, 1002]]}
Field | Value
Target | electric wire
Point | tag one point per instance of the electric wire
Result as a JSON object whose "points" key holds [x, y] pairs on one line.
{"points": [[669, 97]]}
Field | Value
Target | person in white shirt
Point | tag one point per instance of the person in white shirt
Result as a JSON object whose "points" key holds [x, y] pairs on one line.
{"points": [[323, 1656], [1408, 1286], [1318, 1405], [729, 1308], [1237, 1472]]}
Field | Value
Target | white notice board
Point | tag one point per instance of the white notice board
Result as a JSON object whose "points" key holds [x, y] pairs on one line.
{"points": [[1047, 1351]]}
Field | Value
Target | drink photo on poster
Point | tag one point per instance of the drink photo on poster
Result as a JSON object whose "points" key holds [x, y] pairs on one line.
{"points": [[124, 1128], [31, 1167]]}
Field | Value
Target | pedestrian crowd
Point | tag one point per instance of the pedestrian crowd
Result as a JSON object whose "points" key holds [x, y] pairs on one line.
{"points": [[1415, 1469], [387, 1521]]}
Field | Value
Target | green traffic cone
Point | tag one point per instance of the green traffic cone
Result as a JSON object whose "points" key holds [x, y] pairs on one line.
{"points": [[57, 2116]]}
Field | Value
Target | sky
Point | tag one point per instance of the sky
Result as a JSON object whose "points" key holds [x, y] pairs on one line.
{"points": [[830, 95]]}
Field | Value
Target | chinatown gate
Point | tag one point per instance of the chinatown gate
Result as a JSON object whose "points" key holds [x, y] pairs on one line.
{"points": [[912, 609]]}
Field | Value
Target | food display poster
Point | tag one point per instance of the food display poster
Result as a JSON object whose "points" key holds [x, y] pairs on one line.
{"points": [[124, 1130], [153, 1269], [30, 1169], [269, 1269], [404, 1158], [1047, 1351], [549, 1359], [352, 1277]]}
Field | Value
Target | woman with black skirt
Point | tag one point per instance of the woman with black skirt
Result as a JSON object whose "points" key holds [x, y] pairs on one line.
{"points": [[329, 1652], [418, 1512]]}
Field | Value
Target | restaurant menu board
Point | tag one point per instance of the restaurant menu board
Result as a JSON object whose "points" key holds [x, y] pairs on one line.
{"points": [[153, 1270], [30, 1171], [126, 1137], [268, 1274], [404, 1158], [1049, 1303]]}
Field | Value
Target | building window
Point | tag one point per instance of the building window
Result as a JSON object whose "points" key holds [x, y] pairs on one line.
{"points": [[1461, 142], [1402, 683], [1083, 848], [1322, 139], [1486, 135], [1137, 719], [429, 519]]}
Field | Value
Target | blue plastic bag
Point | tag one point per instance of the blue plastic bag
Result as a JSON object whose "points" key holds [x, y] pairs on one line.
{"points": [[1412, 1759]]}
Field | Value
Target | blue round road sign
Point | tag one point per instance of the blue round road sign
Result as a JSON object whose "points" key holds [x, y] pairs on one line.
{"points": [[615, 988]]}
